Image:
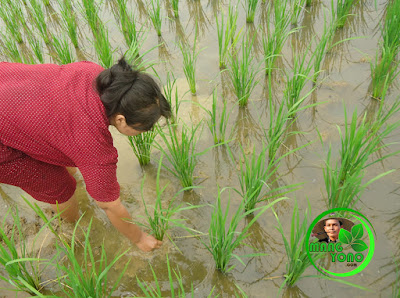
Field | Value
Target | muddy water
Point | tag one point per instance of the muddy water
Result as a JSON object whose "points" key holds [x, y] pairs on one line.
{"points": [[346, 80]]}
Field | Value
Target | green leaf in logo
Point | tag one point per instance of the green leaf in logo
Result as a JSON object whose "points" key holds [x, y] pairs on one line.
{"points": [[345, 236], [359, 245], [357, 231]]}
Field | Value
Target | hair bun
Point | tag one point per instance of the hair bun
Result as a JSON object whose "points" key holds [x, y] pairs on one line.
{"points": [[104, 80]]}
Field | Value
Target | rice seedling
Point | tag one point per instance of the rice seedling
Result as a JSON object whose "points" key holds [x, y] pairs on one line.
{"points": [[155, 15], [384, 70], [256, 178], [295, 83], [227, 37], [251, 7], [36, 47], [391, 27], [224, 236], [343, 8], [296, 9], [170, 91], [160, 220], [322, 47], [21, 266], [39, 19], [136, 59], [295, 247], [180, 151], [63, 51], [141, 145], [103, 46], [175, 8], [10, 49], [69, 20], [360, 141], [308, 3], [127, 22], [243, 72], [396, 283], [218, 128], [88, 278], [11, 20], [344, 193], [343, 180], [280, 119], [91, 13], [189, 63], [275, 38]]}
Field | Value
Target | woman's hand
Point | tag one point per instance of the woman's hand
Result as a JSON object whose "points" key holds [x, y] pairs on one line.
{"points": [[122, 221], [147, 242]]}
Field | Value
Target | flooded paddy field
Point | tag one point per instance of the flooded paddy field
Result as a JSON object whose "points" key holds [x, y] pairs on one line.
{"points": [[344, 84]]}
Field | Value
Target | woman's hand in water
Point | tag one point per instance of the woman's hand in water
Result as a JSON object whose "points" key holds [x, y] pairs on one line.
{"points": [[148, 243]]}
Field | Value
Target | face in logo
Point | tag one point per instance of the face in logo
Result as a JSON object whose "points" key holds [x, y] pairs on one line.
{"points": [[332, 228]]}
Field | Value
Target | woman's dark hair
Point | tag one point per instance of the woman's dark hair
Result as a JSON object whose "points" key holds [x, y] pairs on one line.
{"points": [[133, 94]]}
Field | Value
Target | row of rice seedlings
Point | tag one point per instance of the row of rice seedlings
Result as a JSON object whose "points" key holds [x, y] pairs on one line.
{"points": [[218, 121], [275, 38], [251, 7], [296, 247], [391, 27], [257, 178], [227, 37], [160, 220], [21, 267], [295, 84], [384, 70], [180, 151], [127, 22], [154, 10], [296, 9], [63, 51], [342, 11], [189, 62], [175, 8], [141, 145], [39, 19], [88, 278], [224, 236], [243, 71], [69, 20], [11, 14]]}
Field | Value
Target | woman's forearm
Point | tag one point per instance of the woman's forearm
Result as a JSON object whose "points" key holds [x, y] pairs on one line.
{"points": [[122, 221]]}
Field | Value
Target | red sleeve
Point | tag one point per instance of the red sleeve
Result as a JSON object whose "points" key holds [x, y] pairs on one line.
{"points": [[101, 182]]}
